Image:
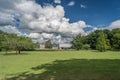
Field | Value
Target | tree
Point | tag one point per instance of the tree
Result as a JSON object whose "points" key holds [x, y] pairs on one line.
{"points": [[77, 42], [22, 43], [92, 39], [115, 39], [102, 42], [48, 44], [6, 43], [14, 42], [2, 39], [36, 45], [86, 46]]}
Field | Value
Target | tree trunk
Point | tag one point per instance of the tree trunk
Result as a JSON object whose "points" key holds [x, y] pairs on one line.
{"points": [[19, 51]]}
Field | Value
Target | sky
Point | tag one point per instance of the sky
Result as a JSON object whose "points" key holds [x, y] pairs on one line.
{"points": [[94, 12], [58, 20]]}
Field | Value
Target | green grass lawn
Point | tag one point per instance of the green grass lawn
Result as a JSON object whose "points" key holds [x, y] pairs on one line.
{"points": [[60, 65]]}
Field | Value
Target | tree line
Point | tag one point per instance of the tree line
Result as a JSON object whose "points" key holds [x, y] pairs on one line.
{"points": [[101, 40], [15, 42]]}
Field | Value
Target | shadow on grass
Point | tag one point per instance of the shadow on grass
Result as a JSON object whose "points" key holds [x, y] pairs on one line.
{"points": [[48, 50], [12, 53], [96, 51], [75, 69]]}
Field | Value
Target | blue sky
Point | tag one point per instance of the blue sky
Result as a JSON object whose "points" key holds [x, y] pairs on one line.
{"points": [[96, 12], [58, 20]]}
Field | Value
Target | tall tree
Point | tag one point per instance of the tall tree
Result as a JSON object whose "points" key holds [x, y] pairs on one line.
{"points": [[116, 39], [92, 39], [102, 42], [48, 44], [77, 42]]}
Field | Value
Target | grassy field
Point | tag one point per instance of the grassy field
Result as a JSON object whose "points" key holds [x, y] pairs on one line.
{"points": [[60, 65]]}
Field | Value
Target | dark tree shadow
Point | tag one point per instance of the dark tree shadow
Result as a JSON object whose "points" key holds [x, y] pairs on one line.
{"points": [[48, 50], [13, 53], [75, 69]]}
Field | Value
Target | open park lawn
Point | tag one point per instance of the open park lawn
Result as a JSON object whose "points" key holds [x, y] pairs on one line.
{"points": [[60, 65]]}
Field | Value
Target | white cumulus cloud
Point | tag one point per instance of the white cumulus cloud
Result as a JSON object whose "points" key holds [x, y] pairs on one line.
{"points": [[115, 24], [71, 3], [39, 22], [10, 29], [57, 1], [83, 6]]}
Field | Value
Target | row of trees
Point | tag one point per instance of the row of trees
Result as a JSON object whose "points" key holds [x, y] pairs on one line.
{"points": [[14, 42], [101, 40]]}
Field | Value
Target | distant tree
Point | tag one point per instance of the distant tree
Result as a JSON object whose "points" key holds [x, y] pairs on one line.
{"points": [[48, 44], [102, 42], [22, 43], [17, 43], [36, 45], [92, 39], [86, 46], [6, 43], [2, 39], [115, 41], [77, 42], [109, 36]]}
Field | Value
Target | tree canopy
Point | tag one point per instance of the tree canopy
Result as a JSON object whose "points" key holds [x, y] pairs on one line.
{"points": [[77, 42], [99, 39], [48, 44], [14, 42], [102, 42]]}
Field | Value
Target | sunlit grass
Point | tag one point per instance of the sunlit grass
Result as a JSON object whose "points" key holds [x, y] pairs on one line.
{"points": [[15, 64]]}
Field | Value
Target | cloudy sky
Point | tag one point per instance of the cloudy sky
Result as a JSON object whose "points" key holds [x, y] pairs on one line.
{"points": [[58, 20]]}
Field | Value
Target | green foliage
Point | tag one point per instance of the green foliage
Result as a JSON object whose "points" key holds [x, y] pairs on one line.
{"points": [[37, 45], [23, 43], [112, 40], [86, 47], [48, 44], [102, 42], [90, 63], [92, 39], [2, 39], [93, 36], [116, 39], [14, 42], [77, 42]]}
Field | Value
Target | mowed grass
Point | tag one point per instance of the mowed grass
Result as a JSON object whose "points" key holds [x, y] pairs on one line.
{"points": [[60, 65]]}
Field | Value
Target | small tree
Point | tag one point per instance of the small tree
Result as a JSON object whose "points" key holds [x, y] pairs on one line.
{"points": [[22, 43], [6, 43], [77, 42], [14, 42], [86, 46], [102, 42], [116, 39], [17, 43], [48, 44]]}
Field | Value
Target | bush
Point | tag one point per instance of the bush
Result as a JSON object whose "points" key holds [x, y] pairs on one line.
{"points": [[86, 46]]}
